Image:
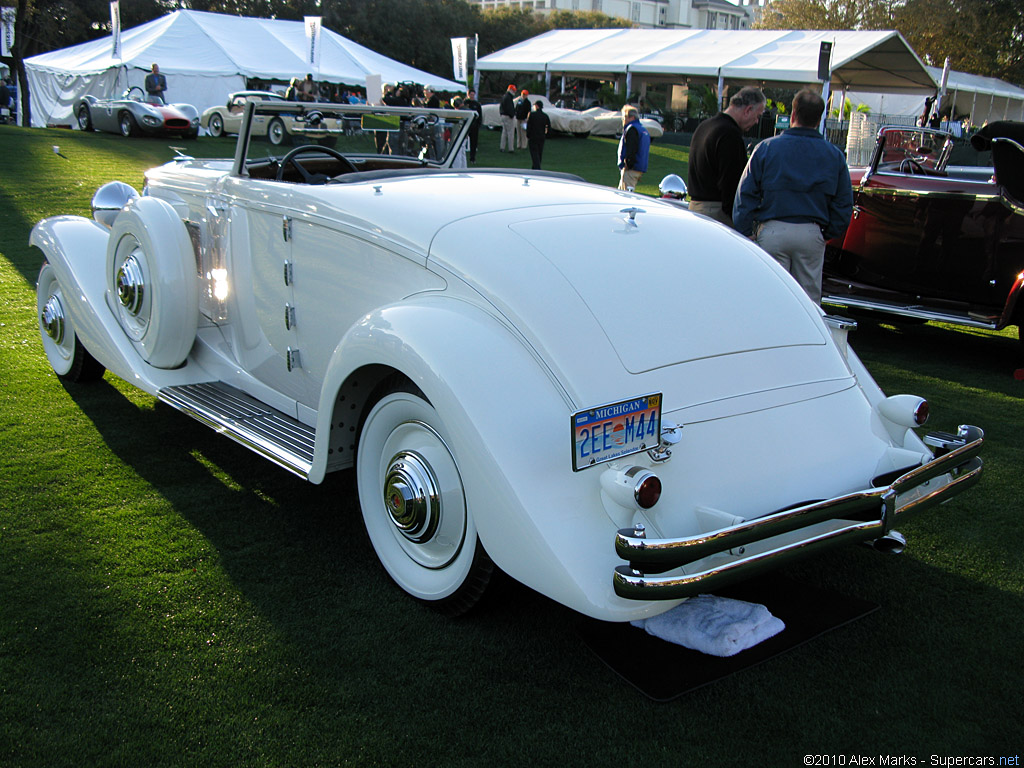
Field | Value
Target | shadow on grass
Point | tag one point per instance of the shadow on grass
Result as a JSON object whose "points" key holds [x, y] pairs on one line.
{"points": [[299, 554]]}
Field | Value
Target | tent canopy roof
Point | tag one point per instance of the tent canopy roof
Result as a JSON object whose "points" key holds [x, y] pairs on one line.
{"points": [[967, 83], [201, 43], [871, 61]]}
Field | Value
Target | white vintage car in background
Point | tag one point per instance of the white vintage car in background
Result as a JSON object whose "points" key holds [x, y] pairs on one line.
{"points": [[523, 370], [570, 121], [281, 127]]}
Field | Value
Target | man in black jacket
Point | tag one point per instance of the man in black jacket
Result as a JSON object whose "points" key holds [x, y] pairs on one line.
{"points": [[507, 110], [537, 125], [522, 112], [718, 155], [474, 129]]}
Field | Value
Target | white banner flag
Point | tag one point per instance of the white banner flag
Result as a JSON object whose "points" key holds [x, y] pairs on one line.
{"points": [[115, 29], [459, 60], [313, 44], [7, 16]]}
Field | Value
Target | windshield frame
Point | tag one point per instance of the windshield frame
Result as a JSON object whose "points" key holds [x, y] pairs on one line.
{"points": [[330, 109]]}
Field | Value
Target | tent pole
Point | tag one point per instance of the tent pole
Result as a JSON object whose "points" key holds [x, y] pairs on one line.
{"points": [[721, 87], [825, 95]]}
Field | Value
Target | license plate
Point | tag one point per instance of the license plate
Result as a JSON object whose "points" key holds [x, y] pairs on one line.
{"points": [[612, 431]]}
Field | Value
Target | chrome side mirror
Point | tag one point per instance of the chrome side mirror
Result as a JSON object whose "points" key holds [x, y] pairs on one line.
{"points": [[672, 186], [110, 199]]}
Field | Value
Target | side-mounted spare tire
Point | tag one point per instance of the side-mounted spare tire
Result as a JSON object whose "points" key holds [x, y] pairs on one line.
{"points": [[151, 277]]}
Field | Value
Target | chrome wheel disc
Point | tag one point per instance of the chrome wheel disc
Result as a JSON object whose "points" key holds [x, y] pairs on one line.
{"points": [[422, 495], [52, 319], [130, 285], [411, 497]]}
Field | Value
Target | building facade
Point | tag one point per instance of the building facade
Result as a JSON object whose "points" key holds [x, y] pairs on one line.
{"points": [[649, 14]]}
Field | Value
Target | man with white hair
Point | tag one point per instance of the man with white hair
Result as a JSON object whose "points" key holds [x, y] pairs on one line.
{"points": [[634, 149]]}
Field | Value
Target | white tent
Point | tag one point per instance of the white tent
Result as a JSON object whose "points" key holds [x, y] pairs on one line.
{"points": [[876, 61], [205, 56], [984, 99]]}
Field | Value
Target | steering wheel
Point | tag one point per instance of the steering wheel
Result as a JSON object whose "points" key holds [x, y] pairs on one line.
{"points": [[911, 166], [312, 178], [130, 91]]}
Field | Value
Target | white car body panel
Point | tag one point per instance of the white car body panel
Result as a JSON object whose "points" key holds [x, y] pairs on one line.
{"points": [[513, 300]]}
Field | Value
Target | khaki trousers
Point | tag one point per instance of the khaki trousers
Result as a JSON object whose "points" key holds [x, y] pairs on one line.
{"points": [[712, 209], [508, 133], [799, 248]]}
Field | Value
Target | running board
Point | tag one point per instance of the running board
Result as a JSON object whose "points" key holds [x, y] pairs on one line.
{"points": [[911, 310], [260, 428]]}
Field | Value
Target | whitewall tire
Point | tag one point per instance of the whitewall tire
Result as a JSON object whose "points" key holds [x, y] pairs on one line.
{"points": [[414, 505], [65, 353], [151, 277]]}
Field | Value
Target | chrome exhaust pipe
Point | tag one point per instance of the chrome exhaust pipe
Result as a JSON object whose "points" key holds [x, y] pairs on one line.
{"points": [[893, 543]]}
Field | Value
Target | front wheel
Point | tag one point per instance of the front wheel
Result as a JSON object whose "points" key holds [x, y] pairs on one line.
{"points": [[68, 358], [84, 118], [128, 125], [414, 505]]}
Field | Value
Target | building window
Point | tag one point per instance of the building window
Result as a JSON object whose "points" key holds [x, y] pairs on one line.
{"points": [[636, 12], [734, 22], [712, 20]]}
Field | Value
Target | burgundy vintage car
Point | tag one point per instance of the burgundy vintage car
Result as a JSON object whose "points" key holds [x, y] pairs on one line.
{"points": [[932, 241]]}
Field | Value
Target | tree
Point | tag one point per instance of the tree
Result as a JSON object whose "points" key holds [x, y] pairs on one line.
{"points": [[984, 37]]}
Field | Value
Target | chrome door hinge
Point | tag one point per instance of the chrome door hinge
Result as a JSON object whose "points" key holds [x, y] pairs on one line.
{"points": [[289, 316], [292, 359], [288, 273], [286, 227]]}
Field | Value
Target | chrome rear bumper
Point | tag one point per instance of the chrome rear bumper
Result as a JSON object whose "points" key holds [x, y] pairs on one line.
{"points": [[859, 516]]}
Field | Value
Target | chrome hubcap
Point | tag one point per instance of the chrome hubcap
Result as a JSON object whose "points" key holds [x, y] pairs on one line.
{"points": [[131, 285], [412, 497], [52, 319]]}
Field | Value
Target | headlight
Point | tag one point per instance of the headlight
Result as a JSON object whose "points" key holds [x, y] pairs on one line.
{"points": [[150, 120]]}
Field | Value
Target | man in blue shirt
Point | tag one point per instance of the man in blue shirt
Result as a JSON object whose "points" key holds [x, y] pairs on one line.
{"points": [[634, 148], [795, 194]]}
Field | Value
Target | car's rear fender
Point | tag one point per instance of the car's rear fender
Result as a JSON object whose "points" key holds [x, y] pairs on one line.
{"points": [[509, 424]]}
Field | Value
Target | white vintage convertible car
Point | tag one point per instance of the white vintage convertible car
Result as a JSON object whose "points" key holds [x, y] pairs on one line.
{"points": [[523, 370]]}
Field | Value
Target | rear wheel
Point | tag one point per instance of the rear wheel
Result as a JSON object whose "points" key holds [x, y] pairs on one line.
{"points": [[216, 126], [128, 125], [414, 504], [276, 134], [68, 358]]}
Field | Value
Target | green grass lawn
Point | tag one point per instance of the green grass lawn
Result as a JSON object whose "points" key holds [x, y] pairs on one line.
{"points": [[168, 599]]}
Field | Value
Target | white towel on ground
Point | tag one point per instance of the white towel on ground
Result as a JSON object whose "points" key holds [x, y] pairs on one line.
{"points": [[719, 626]]}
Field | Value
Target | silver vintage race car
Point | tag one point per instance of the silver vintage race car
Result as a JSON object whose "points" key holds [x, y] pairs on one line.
{"points": [[522, 370], [135, 114]]}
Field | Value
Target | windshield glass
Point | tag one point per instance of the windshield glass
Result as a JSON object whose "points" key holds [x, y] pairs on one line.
{"points": [[371, 137], [928, 149]]}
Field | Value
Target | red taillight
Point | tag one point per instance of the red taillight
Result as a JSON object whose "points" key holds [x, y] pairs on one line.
{"points": [[921, 413], [648, 492]]}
